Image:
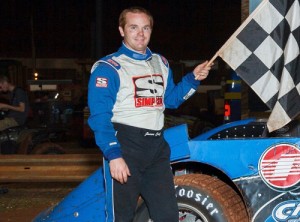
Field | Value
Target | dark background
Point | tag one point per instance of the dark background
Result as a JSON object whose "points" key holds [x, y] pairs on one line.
{"points": [[183, 30], [47, 36]]}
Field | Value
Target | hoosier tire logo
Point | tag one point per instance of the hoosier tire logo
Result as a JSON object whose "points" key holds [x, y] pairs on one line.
{"points": [[279, 167]]}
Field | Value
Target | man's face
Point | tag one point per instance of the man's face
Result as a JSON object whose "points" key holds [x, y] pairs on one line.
{"points": [[137, 31], [3, 86]]}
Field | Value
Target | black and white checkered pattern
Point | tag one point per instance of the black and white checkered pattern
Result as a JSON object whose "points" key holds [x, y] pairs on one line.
{"points": [[265, 54]]}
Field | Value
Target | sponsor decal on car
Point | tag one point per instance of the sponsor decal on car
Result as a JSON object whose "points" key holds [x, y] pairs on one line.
{"points": [[287, 211], [279, 167]]}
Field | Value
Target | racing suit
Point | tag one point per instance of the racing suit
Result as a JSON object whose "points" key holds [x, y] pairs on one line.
{"points": [[127, 95]]}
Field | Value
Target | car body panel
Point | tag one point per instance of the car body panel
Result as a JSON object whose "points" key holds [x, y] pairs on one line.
{"points": [[270, 194]]}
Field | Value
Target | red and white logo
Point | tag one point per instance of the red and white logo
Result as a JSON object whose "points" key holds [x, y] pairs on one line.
{"points": [[148, 90], [279, 167], [113, 62], [101, 82]]}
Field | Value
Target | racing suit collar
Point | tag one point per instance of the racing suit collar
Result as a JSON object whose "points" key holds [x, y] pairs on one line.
{"points": [[135, 55]]}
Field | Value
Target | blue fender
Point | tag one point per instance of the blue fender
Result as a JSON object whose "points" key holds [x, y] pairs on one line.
{"points": [[178, 140], [86, 203]]}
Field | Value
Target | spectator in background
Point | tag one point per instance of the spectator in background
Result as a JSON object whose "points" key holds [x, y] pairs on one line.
{"points": [[17, 109]]}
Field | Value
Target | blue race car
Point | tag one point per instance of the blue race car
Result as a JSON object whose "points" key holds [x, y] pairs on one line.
{"points": [[235, 173]]}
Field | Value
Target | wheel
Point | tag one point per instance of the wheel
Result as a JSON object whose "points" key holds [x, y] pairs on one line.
{"points": [[205, 198], [202, 198]]}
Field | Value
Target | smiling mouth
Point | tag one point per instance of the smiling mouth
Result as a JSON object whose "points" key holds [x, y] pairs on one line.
{"points": [[141, 42]]}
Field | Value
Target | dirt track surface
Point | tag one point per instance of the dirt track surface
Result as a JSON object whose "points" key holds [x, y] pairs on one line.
{"points": [[24, 201]]}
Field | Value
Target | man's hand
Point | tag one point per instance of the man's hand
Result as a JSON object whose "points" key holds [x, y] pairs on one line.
{"points": [[202, 70], [119, 170], [19, 108]]}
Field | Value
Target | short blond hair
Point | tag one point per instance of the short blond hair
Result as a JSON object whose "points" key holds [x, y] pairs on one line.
{"points": [[122, 17]]}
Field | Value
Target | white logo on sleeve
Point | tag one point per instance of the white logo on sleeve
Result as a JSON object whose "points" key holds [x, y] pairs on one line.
{"points": [[101, 82]]}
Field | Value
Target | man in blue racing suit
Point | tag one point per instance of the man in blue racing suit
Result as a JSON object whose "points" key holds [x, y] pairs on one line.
{"points": [[127, 94]]}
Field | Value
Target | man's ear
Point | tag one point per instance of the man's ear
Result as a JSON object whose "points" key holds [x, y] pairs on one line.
{"points": [[121, 31]]}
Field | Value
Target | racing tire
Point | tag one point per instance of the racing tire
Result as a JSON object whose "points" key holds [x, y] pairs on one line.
{"points": [[203, 198]]}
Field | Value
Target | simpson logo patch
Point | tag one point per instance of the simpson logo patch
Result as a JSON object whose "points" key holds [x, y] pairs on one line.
{"points": [[149, 91], [101, 82]]}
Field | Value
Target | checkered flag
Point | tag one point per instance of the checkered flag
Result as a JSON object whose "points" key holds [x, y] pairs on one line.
{"points": [[264, 52]]}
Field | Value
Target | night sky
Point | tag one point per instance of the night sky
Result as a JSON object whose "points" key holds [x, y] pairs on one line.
{"points": [[189, 29]]}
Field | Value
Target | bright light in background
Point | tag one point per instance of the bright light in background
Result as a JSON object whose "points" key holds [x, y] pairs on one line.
{"points": [[36, 76], [56, 95]]}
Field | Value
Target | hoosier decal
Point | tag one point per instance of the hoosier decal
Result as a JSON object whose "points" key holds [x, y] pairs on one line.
{"points": [[202, 199], [279, 167], [148, 91]]}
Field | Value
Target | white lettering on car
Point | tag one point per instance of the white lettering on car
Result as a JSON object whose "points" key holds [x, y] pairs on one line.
{"points": [[287, 211]]}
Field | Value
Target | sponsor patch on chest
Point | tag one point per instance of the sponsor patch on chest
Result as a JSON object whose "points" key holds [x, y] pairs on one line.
{"points": [[148, 91]]}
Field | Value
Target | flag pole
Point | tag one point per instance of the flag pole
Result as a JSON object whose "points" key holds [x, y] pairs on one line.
{"points": [[242, 26]]}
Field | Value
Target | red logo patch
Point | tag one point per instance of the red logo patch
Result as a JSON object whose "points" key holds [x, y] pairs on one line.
{"points": [[279, 166], [113, 62], [148, 91], [101, 82]]}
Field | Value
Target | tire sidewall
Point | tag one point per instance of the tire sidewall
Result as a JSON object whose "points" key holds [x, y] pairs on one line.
{"points": [[195, 199], [201, 201]]}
